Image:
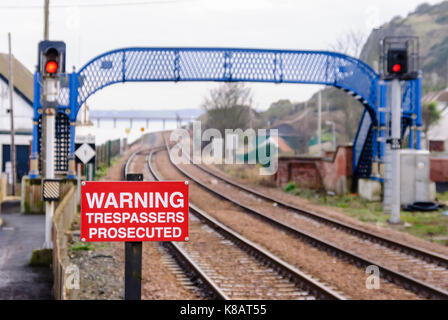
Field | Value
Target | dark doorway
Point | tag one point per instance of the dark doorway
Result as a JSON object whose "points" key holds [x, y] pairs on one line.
{"points": [[22, 155]]}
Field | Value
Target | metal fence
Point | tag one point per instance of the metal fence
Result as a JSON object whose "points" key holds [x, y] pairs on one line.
{"points": [[106, 151]]}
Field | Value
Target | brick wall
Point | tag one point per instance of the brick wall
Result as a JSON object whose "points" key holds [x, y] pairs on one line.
{"points": [[439, 169], [306, 174], [334, 174], [436, 145]]}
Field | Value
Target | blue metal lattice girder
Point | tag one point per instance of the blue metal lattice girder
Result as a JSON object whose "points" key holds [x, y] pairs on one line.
{"points": [[228, 64]]}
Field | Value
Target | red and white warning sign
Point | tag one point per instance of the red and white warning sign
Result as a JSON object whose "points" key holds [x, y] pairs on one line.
{"points": [[134, 211]]}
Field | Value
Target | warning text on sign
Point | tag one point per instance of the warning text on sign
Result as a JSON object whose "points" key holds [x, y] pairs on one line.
{"points": [[134, 211]]}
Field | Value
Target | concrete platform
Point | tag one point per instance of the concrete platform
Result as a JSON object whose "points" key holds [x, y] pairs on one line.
{"points": [[19, 236]]}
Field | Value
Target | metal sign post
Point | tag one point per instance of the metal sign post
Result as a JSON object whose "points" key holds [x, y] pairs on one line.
{"points": [[90, 175], [85, 150], [133, 260]]}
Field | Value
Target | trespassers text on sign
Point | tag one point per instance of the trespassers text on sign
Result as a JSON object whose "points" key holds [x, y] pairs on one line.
{"points": [[134, 211]]}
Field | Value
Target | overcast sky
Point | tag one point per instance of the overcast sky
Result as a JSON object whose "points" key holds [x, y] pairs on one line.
{"points": [[92, 27]]}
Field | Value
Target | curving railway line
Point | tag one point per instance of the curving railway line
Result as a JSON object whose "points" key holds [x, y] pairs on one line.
{"points": [[415, 269], [226, 265], [241, 270], [245, 270]]}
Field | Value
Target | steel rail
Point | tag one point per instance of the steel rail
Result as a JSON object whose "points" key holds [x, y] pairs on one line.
{"points": [[424, 254], [125, 168], [180, 255], [408, 282], [301, 279], [182, 258]]}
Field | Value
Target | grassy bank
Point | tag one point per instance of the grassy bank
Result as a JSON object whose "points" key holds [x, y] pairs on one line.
{"points": [[102, 169], [432, 226]]}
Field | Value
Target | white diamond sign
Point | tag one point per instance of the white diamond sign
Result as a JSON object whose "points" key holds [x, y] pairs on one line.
{"points": [[85, 152]]}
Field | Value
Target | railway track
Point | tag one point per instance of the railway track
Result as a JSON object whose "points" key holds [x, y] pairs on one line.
{"points": [[410, 250], [241, 269], [423, 262]]}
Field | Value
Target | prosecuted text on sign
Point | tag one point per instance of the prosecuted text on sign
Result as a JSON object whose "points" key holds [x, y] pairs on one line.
{"points": [[134, 211]]}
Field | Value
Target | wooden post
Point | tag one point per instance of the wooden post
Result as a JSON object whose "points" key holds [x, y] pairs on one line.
{"points": [[133, 260]]}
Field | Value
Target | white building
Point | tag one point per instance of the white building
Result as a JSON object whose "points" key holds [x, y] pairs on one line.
{"points": [[23, 114]]}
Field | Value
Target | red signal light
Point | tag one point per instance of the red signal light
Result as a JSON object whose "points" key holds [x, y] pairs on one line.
{"points": [[51, 67], [396, 68]]}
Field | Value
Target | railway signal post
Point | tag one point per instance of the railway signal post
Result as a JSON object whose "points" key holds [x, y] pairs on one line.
{"points": [[51, 66], [395, 146], [400, 62]]}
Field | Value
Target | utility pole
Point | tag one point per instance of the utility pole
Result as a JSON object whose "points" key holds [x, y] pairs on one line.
{"points": [[319, 121], [11, 113], [333, 130], [43, 154], [334, 135], [46, 19], [251, 124]]}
